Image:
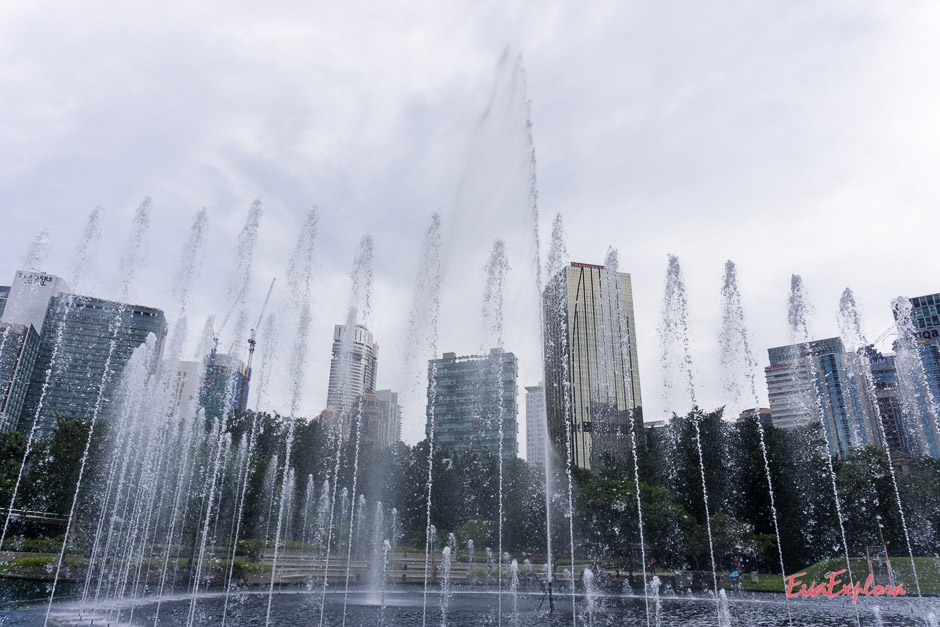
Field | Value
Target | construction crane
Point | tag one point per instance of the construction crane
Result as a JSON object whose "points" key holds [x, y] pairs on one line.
{"points": [[885, 334], [251, 337], [243, 395]]}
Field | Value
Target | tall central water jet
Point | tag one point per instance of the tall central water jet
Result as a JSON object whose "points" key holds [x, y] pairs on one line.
{"points": [[300, 277], [497, 266], [423, 328], [360, 302]]}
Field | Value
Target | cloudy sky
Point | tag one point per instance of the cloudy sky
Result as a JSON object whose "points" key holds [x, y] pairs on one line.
{"points": [[791, 137]]}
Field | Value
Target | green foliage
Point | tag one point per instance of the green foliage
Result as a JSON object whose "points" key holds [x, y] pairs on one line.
{"points": [[465, 497]]}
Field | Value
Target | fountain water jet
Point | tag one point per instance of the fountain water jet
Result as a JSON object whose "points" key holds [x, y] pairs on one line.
{"points": [[851, 329], [358, 311], [493, 303], [38, 251], [300, 276], [674, 339], [555, 307], [735, 353], [135, 251], [514, 590], [362, 293], [590, 593], [86, 251], [612, 288], [798, 312], [240, 505], [445, 584]]}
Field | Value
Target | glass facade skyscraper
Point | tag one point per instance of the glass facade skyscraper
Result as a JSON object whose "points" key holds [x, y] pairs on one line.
{"points": [[919, 369], [592, 378], [79, 331], [890, 407], [819, 380], [4, 295], [224, 388], [468, 395], [19, 346]]}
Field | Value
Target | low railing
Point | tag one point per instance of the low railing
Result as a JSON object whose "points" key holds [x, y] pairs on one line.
{"points": [[25, 515]]}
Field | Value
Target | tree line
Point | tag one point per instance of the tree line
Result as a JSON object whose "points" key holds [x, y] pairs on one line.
{"points": [[465, 495]]}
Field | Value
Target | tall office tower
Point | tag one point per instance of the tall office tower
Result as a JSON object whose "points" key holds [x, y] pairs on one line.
{"points": [[918, 366], [224, 386], [360, 365], [535, 427], [23, 308], [837, 396], [898, 433], [391, 417], [468, 396], [29, 297], [78, 331], [19, 345], [592, 377]]}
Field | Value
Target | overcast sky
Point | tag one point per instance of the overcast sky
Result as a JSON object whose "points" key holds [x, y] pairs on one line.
{"points": [[791, 137]]}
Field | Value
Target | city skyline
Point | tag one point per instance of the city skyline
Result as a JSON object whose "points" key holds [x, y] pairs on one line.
{"points": [[751, 134], [923, 312]]}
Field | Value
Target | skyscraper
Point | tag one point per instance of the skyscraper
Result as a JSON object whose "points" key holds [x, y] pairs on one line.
{"points": [[918, 367], [19, 345], [4, 295], [819, 380], [592, 379], [391, 417], [468, 396], [535, 427], [357, 357], [79, 331], [224, 387], [890, 406]]}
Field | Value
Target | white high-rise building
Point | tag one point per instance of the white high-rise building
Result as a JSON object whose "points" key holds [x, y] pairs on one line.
{"points": [[535, 425], [29, 297], [353, 368]]}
